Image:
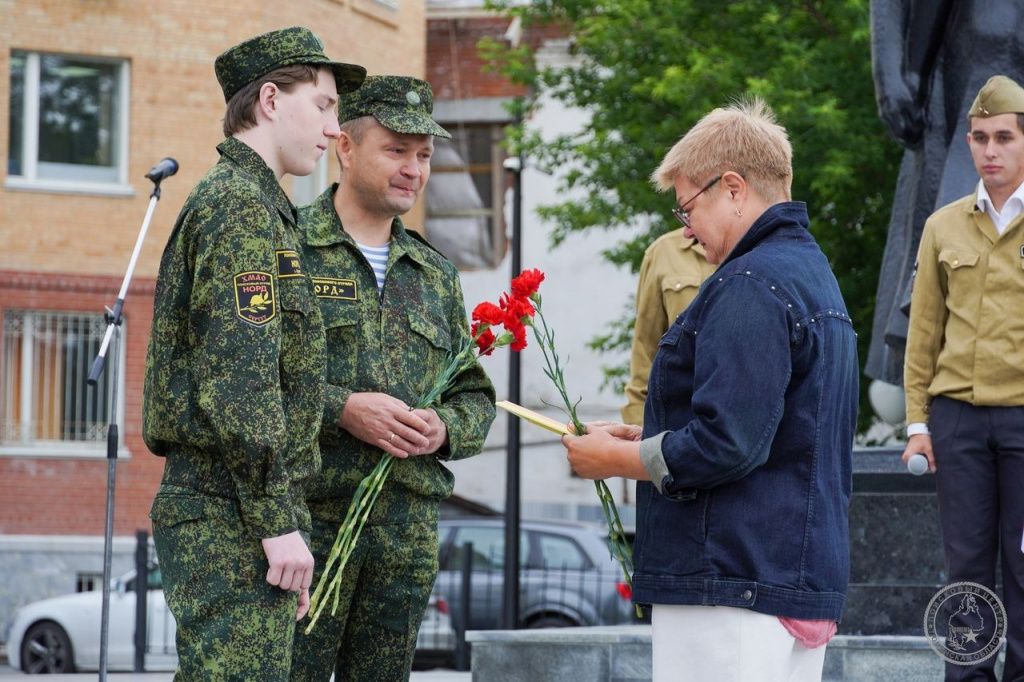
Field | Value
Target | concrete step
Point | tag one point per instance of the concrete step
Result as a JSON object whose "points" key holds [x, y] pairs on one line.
{"points": [[622, 653]]}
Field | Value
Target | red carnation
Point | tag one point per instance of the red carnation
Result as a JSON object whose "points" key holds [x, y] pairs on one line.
{"points": [[488, 313], [485, 340], [527, 283], [518, 332], [515, 308]]}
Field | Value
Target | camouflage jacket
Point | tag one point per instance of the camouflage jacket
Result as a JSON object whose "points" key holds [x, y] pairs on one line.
{"points": [[394, 343], [235, 368]]}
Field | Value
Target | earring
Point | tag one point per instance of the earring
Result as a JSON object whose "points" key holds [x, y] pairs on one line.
{"points": [[739, 213]]}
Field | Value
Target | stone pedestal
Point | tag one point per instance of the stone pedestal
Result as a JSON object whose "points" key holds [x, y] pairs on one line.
{"points": [[612, 653], [622, 653], [896, 563]]}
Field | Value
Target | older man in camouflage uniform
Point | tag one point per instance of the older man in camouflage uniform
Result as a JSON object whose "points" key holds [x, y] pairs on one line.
{"points": [[393, 311], [235, 369]]}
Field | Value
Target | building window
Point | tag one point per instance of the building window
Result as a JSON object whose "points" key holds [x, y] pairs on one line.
{"points": [[88, 582], [465, 207], [68, 123], [46, 407]]}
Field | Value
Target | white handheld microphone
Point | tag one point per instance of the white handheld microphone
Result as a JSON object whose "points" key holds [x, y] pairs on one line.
{"points": [[917, 464]]}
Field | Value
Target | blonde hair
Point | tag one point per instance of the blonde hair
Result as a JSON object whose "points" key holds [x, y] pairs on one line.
{"points": [[743, 137]]}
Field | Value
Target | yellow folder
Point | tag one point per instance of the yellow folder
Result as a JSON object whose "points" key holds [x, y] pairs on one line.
{"points": [[534, 417]]}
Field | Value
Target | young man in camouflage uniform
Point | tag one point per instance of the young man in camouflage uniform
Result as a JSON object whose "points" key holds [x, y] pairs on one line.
{"points": [[234, 373], [389, 335]]}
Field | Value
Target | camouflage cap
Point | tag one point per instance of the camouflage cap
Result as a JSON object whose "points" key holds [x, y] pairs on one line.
{"points": [[245, 62], [1000, 95], [399, 103]]}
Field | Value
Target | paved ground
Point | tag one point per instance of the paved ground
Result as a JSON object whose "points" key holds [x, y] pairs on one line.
{"points": [[8, 674]]}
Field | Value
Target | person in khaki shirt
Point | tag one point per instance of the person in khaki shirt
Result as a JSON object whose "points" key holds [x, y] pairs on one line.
{"points": [[964, 366], [672, 271]]}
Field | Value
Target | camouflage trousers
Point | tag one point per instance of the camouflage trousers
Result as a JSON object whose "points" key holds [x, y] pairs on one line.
{"points": [[385, 589], [232, 625]]}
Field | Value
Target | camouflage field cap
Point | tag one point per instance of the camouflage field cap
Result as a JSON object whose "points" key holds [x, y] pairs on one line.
{"points": [[245, 62], [1000, 95], [399, 103]]}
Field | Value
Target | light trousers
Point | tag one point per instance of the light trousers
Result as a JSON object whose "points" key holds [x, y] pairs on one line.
{"points": [[726, 644]]}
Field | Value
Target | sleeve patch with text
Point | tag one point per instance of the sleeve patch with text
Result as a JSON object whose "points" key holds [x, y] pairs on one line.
{"points": [[254, 297], [288, 264]]}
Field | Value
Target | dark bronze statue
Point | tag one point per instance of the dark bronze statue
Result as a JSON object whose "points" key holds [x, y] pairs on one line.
{"points": [[930, 58]]}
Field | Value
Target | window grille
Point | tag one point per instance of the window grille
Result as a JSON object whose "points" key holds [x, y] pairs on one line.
{"points": [[45, 399]]}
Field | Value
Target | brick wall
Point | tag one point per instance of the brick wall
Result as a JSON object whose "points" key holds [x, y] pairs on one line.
{"points": [[68, 252], [176, 105], [454, 66], [47, 495]]}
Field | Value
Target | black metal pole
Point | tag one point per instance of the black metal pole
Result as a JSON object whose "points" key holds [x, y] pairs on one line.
{"points": [[114, 327], [141, 597], [510, 612], [465, 595]]}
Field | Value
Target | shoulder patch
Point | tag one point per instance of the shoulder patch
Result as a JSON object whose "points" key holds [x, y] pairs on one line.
{"points": [[288, 263], [330, 287], [255, 302]]}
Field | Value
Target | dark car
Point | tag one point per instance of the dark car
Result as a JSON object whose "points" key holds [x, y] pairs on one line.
{"points": [[567, 574]]}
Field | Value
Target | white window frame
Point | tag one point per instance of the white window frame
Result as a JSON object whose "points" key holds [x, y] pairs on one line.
{"points": [[30, 447], [495, 214], [29, 178]]}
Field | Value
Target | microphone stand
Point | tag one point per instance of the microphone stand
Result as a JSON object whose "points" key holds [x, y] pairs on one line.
{"points": [[113, 318]]}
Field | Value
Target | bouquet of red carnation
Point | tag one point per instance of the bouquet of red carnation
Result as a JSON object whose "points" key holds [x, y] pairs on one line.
{"points": [[525, 296], [513, 312]]}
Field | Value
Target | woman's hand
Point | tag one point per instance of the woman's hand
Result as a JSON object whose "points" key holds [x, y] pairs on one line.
{"points": [[606, 450]]}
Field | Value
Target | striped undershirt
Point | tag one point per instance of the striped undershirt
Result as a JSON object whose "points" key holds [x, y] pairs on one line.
{"points": [[377, 256]]}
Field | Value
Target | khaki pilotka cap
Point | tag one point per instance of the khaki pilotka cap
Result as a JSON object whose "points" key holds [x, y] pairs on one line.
{"points": [[256, 57], [399, 103], [1000, 95]]}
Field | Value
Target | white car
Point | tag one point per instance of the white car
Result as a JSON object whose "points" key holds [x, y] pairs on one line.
{"points": [[62, 634], [435, 641]]}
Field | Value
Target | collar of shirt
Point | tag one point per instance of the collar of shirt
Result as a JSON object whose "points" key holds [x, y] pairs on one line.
{"points": [[246, 158], [1011, 209], [323, 227]]}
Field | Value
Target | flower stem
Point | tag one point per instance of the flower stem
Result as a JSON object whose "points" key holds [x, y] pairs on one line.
{"points": [[617, 543], [328, 587], [348, 535]]}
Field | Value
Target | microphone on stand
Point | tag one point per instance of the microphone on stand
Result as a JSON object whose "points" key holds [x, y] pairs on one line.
{"points": [[917, 464], [164, 169]]}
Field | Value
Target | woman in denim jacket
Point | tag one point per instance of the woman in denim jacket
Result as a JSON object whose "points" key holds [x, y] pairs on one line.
{"points": [[743, 463]]}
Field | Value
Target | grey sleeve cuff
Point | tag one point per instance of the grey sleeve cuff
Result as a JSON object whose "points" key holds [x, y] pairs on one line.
{"points": [[653, 459]]}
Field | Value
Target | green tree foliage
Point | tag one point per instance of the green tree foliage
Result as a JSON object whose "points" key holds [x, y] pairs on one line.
{"points": [[649, 69]]}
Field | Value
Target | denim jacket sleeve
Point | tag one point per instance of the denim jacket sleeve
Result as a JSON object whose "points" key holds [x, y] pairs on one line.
{"points": [[742, 366]]}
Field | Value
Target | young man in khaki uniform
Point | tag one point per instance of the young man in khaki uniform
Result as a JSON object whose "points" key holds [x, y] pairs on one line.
{"points": [[964, 369], [672, 271]]}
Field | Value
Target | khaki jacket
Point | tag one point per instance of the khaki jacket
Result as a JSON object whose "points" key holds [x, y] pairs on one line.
{"points": [[670, 276], [966, 337]]}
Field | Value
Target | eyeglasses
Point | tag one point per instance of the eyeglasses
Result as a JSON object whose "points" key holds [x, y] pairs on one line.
{"points": [[681, 214]]}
